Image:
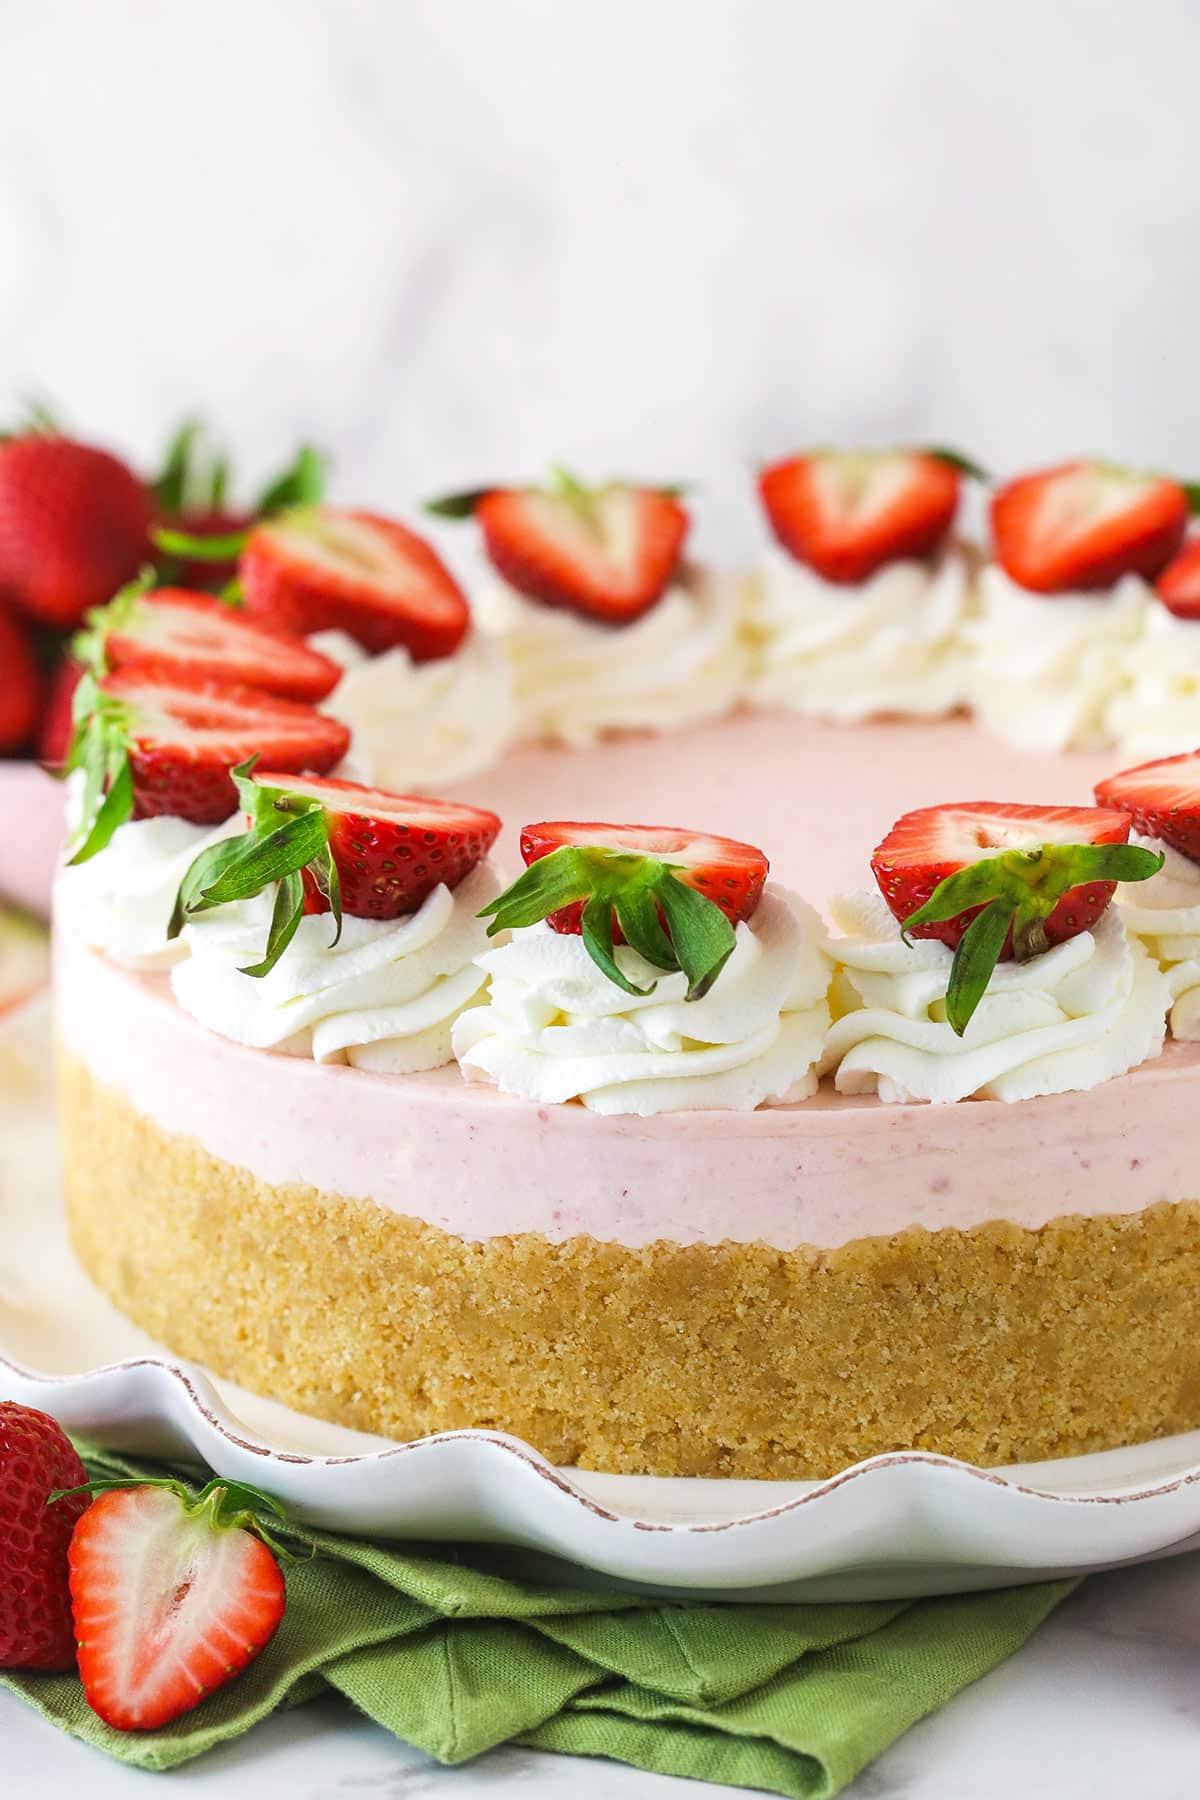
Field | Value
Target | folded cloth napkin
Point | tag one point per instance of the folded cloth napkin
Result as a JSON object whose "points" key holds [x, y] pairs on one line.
{"points": [[442, 1646]]}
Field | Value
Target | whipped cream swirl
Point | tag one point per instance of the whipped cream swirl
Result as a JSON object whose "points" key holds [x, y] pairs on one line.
{"points": [[383, 998], [680, 663], [555, 1028], [1074, 1017], [417, 725], [1157, 710], [891, 644], [1164, 913], [1046, 669], [120, 900]]}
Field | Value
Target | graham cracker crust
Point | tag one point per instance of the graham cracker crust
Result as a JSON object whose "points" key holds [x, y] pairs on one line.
{"points": [[998, 1344]]}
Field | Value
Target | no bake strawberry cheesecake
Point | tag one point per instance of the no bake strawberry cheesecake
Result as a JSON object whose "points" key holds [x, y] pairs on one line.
{"points": [[843, 1120]]}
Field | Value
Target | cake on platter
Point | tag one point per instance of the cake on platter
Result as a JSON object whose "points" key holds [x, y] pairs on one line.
{"points": [[844, 1120]]}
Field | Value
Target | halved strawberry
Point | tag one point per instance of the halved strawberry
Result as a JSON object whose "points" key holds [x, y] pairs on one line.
{"points": [[728, 873], [74, 525], [1178, 587], [200, 636], [172, 1597], [607, 552], [20, 682], [994, 881], [319, 569], [334, 846], [925, 847], [153, 741], [674, 896], [1082, 525], [1162, 799], [849, 512]]}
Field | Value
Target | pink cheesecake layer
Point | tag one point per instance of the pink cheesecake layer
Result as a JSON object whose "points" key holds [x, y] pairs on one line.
{"points": [[31, 834], [481, 1164]]}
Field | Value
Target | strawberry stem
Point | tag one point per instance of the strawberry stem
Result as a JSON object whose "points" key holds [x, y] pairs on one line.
{"points": [[195, 547], [1018, 891], [288, 835], [220, 1504], [302, 483], [641, 892], [99, 747], [457, 506], [954, 459]]}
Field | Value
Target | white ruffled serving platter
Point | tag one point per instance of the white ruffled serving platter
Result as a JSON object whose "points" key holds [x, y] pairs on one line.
{"points": [[897, 1525]]}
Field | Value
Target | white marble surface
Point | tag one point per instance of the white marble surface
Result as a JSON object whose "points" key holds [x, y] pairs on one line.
{"points": [[1103, 1704]]}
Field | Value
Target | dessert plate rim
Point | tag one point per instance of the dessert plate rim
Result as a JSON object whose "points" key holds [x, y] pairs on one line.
{"points": [[192, 1378]]}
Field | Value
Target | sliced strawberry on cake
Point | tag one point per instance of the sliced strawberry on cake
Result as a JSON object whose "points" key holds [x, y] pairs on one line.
{"points": [[1178, 587], [608, 553], [321, 569], [674, 896], [152, 741], [173, 1595], [1161, 800], [994, 881], [198, 636], [333, 846], [847, 513], [1082, 525]]}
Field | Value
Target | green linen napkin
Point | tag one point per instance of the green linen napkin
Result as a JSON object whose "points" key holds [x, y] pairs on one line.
{"points": [[441, 1646]]}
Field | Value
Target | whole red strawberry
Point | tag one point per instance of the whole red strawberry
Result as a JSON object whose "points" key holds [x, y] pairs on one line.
{"points": [[20, 682], [58, 725], [74, 526], [36, 1631]]}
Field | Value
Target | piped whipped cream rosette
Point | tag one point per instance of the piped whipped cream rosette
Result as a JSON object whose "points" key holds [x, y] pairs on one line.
{"points": [[121, 902], [1066, 603], [1157, 712], [1163, 801], [860, 609], [679, 664], [716, 998], [383, 997], [604, 627], [419, 724], [344, 924], [993, 967], [1047, 674]]}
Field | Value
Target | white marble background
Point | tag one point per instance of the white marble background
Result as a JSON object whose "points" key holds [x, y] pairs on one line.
{"points": [[454, 238]]}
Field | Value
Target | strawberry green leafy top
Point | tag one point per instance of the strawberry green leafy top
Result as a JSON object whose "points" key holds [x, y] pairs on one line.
{"points": [[671, 925], [1016, 892]]}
